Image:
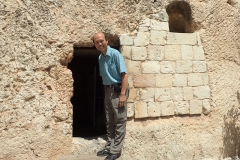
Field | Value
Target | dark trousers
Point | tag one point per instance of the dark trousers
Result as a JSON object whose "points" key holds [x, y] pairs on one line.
{"points": [[116, 118]]}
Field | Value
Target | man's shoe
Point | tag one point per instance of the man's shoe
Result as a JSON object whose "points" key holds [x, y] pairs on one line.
{"points": [[103, 153], [112, 156]]}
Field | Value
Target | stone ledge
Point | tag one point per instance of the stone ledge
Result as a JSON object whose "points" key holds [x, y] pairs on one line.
{"points": [[158, 37], [160, 26], [83, 157], [182, 38]]}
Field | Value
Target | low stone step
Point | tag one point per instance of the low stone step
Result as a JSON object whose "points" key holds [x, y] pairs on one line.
{"points": [[84, 157]]}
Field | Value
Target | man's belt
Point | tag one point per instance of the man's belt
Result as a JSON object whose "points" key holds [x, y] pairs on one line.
{"points": [[112, 85]]}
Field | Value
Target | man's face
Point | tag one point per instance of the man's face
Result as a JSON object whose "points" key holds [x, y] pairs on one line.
{"points": [[100, 42]]}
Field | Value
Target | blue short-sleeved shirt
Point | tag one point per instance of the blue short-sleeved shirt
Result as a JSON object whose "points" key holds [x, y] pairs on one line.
{"points": [[111, 66]]}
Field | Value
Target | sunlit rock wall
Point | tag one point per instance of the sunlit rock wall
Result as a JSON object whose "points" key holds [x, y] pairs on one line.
{"points": [[36, 44]]}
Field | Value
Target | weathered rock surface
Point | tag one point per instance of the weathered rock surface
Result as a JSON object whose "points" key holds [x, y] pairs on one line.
{"points": [[36, 44]]}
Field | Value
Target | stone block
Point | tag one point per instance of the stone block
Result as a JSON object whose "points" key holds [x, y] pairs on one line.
{"points": [[167, 108], [179, 80], [164, 80], [160, 26], [195, 79], [145, 23], [162, 94], [133, 95], [206, 106], [177, 93], [150, 67], [158, 37], [199, 66], [183, 66], [139, 53], [142, 39], [187, 93], [167, 66], [144, 80], [201, 92], [205, 78], [126, 51], [198, 53], [163, 16], [198, 39], [125, 40], [155, 52], [133, 67], [154, 109], [182, 38], [172, 53], [181, 107], [143, 29], [195, 106], [187, 52], [130, 110], [130, 80], [147, 94], [238, 94], [141, 110]]}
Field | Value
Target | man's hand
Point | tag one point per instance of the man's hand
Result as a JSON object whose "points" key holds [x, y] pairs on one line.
{"points": [[122, 100]]}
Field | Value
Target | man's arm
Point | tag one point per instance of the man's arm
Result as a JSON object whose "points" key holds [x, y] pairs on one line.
{"points": [[122, 96]]}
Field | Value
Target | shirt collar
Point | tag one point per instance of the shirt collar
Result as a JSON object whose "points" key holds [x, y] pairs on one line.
{"points": [[108, 53]]}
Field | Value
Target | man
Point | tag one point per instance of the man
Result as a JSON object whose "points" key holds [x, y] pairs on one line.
{"points": [[115, 80]]}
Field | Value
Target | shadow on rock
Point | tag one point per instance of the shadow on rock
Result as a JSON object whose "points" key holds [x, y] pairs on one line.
{"points": [[231, 133]]}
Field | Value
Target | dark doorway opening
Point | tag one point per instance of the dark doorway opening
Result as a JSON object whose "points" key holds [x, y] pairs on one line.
{"points": [[180, 17], [88, 94]]}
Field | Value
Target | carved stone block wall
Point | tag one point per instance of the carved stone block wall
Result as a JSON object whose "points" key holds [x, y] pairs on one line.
{"points": [[168, 70]]}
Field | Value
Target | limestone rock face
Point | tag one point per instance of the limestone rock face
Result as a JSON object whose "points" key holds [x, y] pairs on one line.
{"points": [[36, 45]]}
